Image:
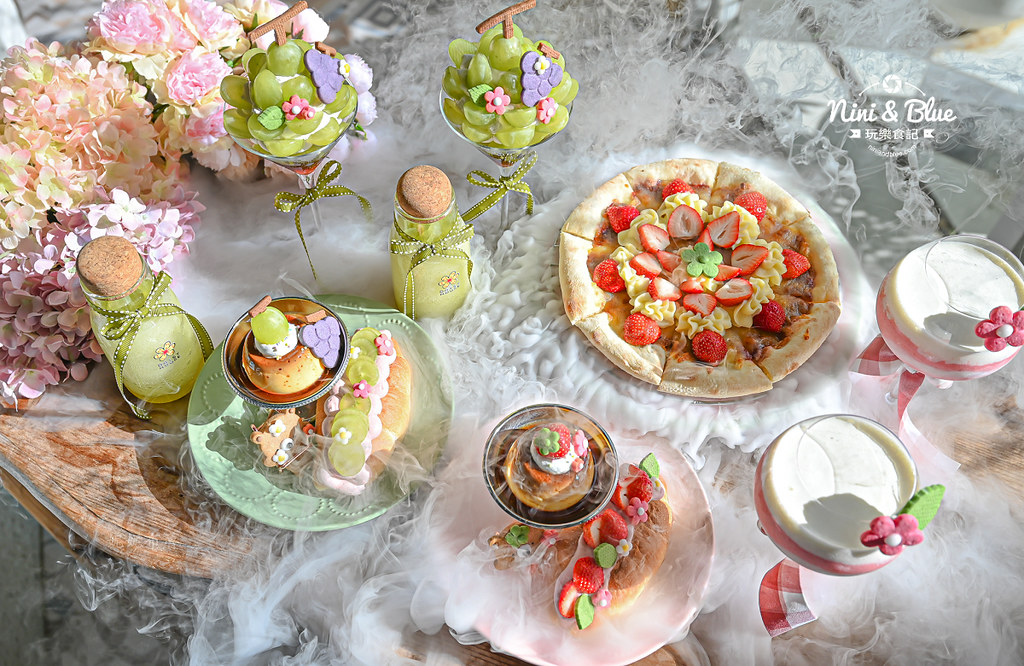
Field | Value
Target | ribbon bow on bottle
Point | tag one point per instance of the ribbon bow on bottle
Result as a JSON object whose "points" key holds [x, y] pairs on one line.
{"points": [[448, 246], [501, 186], [286, 202], [123, 326]]}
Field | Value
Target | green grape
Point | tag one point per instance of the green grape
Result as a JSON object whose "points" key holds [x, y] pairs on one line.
{"points": [[452, 112], [557, 124], [327, 133], [362, 369], [284, 59], [505, 53], [366, 346], [566, 90], [302, 44], [258, 131], [349, 401], [302, 126], [518, 117], [526, 45], [509, 82], [235, 91], [256, 63], [345, 102], [266, 91], [458, 49], [284, 147], [477, 115], [515, 138], [248, 55], [297, 85], [493, 33], [270, 326], [236, 123], [475, 134], [347, 459], [479, 71], [454, 83]]}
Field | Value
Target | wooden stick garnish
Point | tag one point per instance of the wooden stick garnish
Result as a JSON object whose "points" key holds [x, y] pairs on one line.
{"points": [[314, 317], [279, 25], [325, 49], [504, 17], [546, 49], [261, 306]]}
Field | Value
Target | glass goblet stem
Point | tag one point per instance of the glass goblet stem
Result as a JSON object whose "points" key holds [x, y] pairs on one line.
{"points": [[308, 182]]}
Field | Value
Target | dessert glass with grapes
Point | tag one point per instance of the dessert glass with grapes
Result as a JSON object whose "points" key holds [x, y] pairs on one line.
{"points": [[506, 95]]}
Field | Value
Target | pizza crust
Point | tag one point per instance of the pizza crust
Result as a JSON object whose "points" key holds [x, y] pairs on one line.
{"points": [[731, 181], [651, 178], [588, 218], [819, 254], [646, 363], [732, 378], [805, 335], [581, 297]]}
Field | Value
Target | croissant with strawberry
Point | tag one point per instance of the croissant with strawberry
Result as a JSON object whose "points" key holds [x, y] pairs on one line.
{"points": [[621, 549]]}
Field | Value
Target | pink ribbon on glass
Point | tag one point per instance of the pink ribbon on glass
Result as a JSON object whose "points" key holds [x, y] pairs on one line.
{"points": [[781, 598]]}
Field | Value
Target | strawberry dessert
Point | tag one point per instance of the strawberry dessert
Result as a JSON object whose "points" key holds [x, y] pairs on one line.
{"points": [[549, 467]]}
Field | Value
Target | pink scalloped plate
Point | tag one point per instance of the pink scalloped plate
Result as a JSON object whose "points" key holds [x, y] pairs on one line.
{"points": [[527, 626]]}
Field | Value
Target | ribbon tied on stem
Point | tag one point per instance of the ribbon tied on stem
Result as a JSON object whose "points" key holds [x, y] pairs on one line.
{"points": [[501, 187]]}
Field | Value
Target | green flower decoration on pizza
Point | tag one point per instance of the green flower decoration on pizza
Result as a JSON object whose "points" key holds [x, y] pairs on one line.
{"points": [[701, 259]]}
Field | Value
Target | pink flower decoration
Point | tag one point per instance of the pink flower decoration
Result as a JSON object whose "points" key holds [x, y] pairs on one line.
{"points": [[1003, 327], [497, 101], [603, 598], [361, 389], [890, 536], [637, 511], [546, 110], [384, 345], [195, 75], [297, 107], [579, 444]]}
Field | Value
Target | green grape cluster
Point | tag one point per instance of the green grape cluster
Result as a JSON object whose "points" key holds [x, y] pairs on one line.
{"points": [[272, 77], [495, 61]]}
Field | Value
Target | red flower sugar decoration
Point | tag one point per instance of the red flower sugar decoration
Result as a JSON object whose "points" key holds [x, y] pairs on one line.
{"points": [[1003, 327], [890, 536]]}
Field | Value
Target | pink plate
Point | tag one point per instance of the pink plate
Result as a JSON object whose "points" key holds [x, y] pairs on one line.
{"points": [[527, 626]]}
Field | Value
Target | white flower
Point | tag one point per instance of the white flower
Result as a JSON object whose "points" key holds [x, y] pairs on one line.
{"points": [[343, 436], [623, 548], [354, 353], [280, 457], [277, 428], [541, 65]]}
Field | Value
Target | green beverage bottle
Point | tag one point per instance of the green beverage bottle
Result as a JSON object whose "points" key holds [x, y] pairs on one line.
{"points": [[155, 347], [430, 264]]}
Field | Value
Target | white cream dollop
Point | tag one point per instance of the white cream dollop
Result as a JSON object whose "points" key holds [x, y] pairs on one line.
{"points": [[279, 349]]}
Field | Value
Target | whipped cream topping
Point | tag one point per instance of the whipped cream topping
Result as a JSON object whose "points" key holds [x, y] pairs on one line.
{"points": [[282, 348]]}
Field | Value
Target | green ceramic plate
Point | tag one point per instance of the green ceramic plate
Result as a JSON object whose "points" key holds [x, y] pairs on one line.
{"points": [[219, 425]]}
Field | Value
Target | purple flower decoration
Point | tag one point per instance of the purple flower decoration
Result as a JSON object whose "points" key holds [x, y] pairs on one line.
{"points": [[540, 75], [324, 339], [326, 74]]}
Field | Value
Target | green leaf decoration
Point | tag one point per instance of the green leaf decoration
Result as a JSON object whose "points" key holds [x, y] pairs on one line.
{"points": [[459, 48], [271, 118], [518, 535], [925, 504], [605, 555], [650, 465], [476, 93], [584, 611]]}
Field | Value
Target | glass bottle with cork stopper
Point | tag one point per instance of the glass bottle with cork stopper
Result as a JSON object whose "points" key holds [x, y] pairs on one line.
{"points": [[430, 264], [156, 348]]}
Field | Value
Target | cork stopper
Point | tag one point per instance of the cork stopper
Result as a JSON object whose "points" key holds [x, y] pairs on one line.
{"points": [[424, 192], [109, 266]]}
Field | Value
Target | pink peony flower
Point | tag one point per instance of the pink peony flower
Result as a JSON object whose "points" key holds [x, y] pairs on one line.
{"points": [[204, 129], [195, 75], [1003, 327], [139, 26], [212, 26], [890, 536], [366, 108], [251, 13]]}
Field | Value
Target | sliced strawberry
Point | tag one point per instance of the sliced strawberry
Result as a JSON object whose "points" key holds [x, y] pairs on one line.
{"points": [[726, 272], [692, 285], [646, 264], [640, 330], [669, 260], [620, 215], [606, 276], [662, 290], [725, 230], [607, 527], [567, 600], [771, 317], [653, 237], [709, 346], [641, 486], [734, 291], [702, 304], [796, 264], [705, 237], [685, 222], [748, 257], [587, 575], [754, 203], [675, 187]]}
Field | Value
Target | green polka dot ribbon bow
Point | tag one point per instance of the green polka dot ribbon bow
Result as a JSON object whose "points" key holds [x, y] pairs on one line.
{"points": [[286, 202], [124, 324], [501, 186]]}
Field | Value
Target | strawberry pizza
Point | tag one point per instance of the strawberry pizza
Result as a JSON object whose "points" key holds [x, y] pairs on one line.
{"points": [[704, 278]]}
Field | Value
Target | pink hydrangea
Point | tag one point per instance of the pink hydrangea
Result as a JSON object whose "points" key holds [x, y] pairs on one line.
{"points": [[195, 75], [139, 26]]}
